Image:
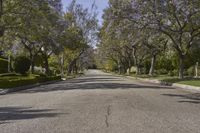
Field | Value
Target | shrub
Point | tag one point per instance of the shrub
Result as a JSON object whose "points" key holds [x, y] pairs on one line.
{"points": [[147, 66], [133, 70], [45, 79], [17, 82], [164, 63], [185, 73], [3, 65], [111, 66], [22, 64], [191, 71], [22, 81], [162, 71], [40, 73], [170, 73], [175, 72]]}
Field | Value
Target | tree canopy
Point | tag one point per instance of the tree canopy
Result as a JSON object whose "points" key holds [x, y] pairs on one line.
{"points": [[150, 29], [41, 30]]}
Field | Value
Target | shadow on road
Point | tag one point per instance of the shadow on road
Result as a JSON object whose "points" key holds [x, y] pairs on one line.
{"points": [[186, 98], [94, 80], [21, 113], [90, 82]]}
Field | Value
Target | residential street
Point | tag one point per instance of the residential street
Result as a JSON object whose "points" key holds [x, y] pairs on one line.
{"points": [[100, 103]]}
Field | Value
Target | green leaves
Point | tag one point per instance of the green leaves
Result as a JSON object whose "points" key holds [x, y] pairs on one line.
{"points": [[40, 28]]}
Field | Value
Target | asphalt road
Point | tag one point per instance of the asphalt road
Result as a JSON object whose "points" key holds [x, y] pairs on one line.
{"points": [[100, 103]]}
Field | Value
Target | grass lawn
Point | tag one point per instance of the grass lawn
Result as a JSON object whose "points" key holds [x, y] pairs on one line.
{"points": [[194, 82], [159, 77], [17, 80], [16, 77], [166, 78]]}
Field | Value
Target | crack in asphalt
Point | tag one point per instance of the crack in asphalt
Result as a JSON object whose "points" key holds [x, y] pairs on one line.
{"points": [[108, 110], [106, 121], [107, 115]]}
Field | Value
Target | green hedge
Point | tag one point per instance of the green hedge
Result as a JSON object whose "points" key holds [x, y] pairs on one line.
{"points": [[17, 82], [22, 64], [3, 65]]}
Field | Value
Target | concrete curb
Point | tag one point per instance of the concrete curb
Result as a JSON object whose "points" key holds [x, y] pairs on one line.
{"points": [[175, 85], [10, 90], [186, 87]]}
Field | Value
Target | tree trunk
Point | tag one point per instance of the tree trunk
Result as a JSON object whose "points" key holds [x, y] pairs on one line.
{"points": [[32, 67], [32, 63], [69, 71], [129, 67], [181, 66], [124, 69], [129, 71], [62, 65], [153, 60], [9, 63], [196, 69], [138, 70], [74, 68], [47, 71], [71, 67], [119, 66], [119, 69]]}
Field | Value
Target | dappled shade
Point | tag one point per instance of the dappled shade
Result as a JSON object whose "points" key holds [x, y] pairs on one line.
{"points": [[12, 113], [94, 82], [186, 98]]}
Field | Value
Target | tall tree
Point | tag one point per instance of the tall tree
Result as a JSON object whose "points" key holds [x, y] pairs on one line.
{"points": [[83, 24], [179, 20]]}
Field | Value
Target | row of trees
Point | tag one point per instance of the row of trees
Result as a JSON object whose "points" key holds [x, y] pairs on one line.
{"points": [[150, 34], [49, 37]]}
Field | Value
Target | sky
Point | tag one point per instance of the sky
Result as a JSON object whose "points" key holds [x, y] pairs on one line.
{"points": [[101, 5]]}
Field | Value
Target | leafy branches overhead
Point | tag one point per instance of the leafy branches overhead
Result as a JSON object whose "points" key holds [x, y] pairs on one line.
{"points": [[41, 29], [156, 25]]}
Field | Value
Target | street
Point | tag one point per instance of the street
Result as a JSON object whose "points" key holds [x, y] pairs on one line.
{"points": [[100, 103]]}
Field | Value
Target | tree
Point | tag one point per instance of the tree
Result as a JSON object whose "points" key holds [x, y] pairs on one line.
{"points": [[117, 39], [82, 25], [1, 14], [40, 29], [57, 5], [194, 57], [179, 20], [156, 43], [22, 64]]}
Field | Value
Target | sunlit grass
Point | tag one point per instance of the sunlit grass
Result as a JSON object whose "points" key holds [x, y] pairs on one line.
{"points": [[170, 79]]}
